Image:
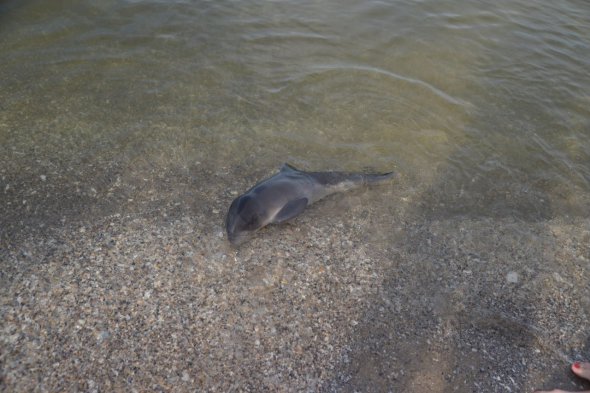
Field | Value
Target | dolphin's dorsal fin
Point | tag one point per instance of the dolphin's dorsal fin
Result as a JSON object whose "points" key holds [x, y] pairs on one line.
{"points": [[288, 168]]}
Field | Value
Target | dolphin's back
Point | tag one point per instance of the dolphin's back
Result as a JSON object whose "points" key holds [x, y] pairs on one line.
{"points": [[360, 179], [330, 182]]}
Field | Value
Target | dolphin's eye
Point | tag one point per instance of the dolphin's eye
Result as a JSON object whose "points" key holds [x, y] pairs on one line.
{"points": [[248, 209], [250, 219]]}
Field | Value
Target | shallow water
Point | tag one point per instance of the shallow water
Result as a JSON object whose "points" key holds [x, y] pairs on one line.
{"points": [[494, 98], [171, 108]]}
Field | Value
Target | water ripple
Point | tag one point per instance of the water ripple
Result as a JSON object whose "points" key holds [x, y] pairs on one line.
{"points": [[329, 68]]}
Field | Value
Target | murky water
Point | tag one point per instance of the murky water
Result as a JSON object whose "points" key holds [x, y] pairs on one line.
{"points": [[494, 98]]}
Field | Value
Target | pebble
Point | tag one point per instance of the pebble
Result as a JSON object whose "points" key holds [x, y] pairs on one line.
{"points": [[103, 335], [512, 277]]}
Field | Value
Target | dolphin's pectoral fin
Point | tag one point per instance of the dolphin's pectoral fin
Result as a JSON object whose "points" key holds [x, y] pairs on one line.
{"points": [[290, 210], [287, 168]]}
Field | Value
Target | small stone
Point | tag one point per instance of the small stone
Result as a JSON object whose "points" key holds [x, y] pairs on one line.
{"points": [[185, 376], [103, 335], [558, 277], [43, 177], [512, 277]]}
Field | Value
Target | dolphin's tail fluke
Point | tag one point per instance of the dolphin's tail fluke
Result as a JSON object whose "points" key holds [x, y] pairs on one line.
{"points": [[370, 179]]}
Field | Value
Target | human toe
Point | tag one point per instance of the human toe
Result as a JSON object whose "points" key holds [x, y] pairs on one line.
{"points": [[581, 369]]}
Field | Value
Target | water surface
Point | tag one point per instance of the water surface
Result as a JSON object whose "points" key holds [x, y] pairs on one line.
{"points": [[495, 96]]}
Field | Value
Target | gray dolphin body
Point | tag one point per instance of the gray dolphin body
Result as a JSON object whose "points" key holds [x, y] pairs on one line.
{"points": [[285, 195]]}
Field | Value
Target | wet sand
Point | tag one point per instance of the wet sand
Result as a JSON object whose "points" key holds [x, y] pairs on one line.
{"points": [[374, 290]]}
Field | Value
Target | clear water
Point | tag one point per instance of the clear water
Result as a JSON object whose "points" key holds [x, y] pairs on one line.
{"points": [[484, 105]]}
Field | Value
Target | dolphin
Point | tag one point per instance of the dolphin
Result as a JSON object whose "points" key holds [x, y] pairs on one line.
{"points": [[285, 195]]}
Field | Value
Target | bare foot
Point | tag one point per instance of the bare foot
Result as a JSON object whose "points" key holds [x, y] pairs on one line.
{"points": [[582, 370]]}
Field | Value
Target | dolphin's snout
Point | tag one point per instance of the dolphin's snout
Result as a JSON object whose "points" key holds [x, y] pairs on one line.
{"points": [[238, 238], [235, 235]]}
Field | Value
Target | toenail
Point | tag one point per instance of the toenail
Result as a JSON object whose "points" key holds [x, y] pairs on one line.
{"points": [[577, 365]]}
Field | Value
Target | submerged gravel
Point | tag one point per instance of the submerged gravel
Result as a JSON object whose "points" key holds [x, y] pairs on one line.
{"points": [[363, 292]]}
